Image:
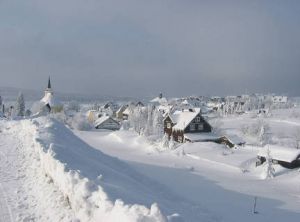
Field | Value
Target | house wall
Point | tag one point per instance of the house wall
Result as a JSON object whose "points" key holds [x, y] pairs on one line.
{"points": [[206, 127], [167, 130]]}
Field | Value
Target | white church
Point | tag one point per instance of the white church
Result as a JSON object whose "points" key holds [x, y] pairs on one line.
{"points": [[49, 102]]}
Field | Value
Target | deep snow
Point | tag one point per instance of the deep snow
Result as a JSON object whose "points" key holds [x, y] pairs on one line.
{"points": [[207, 174]]}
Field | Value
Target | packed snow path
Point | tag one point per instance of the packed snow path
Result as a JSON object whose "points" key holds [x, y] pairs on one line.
{"points": [[25, 192]]}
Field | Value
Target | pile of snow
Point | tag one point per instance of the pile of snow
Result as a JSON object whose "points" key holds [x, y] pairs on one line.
{"points": [[91, 182]]}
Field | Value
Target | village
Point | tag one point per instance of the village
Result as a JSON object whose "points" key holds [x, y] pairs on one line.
{"points": [[246, 139], [171, 122]]}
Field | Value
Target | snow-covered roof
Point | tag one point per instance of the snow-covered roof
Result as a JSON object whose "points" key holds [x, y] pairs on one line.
{"points": [[280, 153], [198, 137], [235, 139], [185, 102], [126, 111], [122, 109], [51, 100], [182, 119], [101, 120]]}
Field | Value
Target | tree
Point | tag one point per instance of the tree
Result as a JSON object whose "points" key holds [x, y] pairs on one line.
{"points": [[263, 132], [165, 141], [0, 101], [270, 171], [158, 123], [297, 137], [172, 143], [20, 105]]}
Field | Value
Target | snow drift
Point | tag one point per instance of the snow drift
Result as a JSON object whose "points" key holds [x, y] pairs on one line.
{"points": [[92, 183]]}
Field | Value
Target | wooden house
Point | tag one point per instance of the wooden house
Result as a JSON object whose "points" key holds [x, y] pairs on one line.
{"points": [[106, 122], [286, 157], [189, 121]]}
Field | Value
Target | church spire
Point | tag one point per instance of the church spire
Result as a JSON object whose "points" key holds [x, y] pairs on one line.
{"points": [[49, 83]]}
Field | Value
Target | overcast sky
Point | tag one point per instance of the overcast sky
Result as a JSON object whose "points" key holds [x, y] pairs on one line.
{"points": [[141, 47]]}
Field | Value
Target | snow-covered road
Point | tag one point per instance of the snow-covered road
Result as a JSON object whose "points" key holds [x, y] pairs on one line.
{"points": [[25, 194]]}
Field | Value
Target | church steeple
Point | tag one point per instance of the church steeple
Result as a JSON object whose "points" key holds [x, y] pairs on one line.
{"points": [[49, 83], [49, 88]]}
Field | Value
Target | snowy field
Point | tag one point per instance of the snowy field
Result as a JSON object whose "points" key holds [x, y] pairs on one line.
{"points": [[49, 173]]}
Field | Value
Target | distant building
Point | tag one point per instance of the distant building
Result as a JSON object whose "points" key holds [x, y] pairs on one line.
{"points": [[120, 112], [92, 115], [49, 102], [106, 122]]}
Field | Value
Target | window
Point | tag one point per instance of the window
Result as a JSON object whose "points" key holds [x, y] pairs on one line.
{"points": [[192, 127], [169, 125], [198, 119], [179, 138]]}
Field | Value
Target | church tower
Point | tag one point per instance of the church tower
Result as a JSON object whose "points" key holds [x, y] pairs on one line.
{"points": [[49, 88]]}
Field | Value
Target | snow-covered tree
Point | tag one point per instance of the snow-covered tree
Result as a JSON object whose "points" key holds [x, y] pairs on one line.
{"points": [[149, 125], [264, 135], [0, 101], [296, 137], [172, 143], [165, 141], [80, 122], [158, 123], [20, 105], [270, 171]]}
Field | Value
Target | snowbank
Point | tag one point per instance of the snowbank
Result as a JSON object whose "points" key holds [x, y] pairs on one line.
{"points": [[90, 181]]}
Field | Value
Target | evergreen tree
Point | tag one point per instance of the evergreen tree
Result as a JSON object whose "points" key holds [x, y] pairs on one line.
{"points": [[20, 105]]}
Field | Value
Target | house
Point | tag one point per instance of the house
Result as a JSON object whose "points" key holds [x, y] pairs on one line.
{"points": [[106, 122], [140, 104], [120, 112], [284, 156], [49, 102], [279, 99], [93, 115], [126, 113], [185, 122]]}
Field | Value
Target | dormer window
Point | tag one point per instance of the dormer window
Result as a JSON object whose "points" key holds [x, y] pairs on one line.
{"points": [[198, 119], [169, 125]]}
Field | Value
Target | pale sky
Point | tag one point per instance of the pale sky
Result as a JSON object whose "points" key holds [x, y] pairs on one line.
{"points": [[142, 47]]}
